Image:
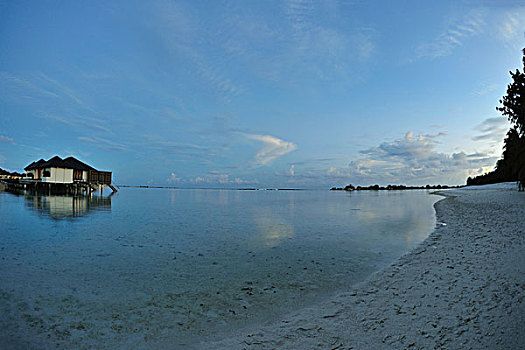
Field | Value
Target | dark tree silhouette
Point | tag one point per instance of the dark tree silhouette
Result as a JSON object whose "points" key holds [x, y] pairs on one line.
{"points": [[512, 147], [513, 104], [511, 166]]}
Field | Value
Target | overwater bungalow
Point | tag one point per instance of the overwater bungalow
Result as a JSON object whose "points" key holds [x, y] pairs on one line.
{"points": [[66, 171], [4, 174], [64, 176]]}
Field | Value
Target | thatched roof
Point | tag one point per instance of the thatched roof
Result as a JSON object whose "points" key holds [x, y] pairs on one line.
{"points": [[57, 162], [14, 173], [35, 165], [73, 163]]}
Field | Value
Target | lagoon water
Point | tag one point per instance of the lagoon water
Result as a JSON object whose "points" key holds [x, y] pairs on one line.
{"points": [[154, 265]]}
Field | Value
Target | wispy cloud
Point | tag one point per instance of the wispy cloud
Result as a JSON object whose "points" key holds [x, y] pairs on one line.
{"points": [[185, 35], [78, 122], [305, 37], [300, 14], [512, 25], [62, 90], [455, 35], [273, 148], [492, 129], [104, 144], [20, 89], [485, 89], [221, 84], [313, 161], [167, 148], [156, 142], [319, 48], [53, 101], [40, 89], [6, 139]]}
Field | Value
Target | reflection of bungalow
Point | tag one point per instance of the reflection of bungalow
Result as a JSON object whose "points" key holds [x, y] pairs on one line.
{"points": [[61, 207], [66, 171]]}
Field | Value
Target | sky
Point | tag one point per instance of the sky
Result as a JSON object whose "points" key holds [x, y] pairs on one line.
{"points": [[303, 94]]}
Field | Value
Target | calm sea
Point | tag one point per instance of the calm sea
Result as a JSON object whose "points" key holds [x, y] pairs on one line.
{"points": [[153, 264]]}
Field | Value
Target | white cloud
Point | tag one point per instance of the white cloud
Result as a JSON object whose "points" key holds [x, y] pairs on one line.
{"points": [[198, 179], [173, 178], [292, 170], [240, 181], [222, 179], [273, 148], [412, 160]]}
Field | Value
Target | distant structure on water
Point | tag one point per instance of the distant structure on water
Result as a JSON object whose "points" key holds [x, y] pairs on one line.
{"points": [[4, 174], [62, 176]]}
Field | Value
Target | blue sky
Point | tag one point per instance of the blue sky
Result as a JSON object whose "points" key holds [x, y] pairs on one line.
{"points": [[259, 93]]}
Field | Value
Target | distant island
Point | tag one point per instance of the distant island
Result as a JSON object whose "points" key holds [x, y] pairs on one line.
{"points": [[392, 188], [213, 188]]}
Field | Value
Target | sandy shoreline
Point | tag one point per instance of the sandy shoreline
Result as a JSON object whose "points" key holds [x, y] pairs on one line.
{"points": [[462, 288]]}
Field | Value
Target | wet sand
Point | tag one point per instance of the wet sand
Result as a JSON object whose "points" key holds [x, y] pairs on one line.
{"points": [[462, 288]]}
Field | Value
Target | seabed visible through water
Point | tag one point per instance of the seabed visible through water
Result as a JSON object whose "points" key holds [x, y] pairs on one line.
{"points": [[180, 265]]}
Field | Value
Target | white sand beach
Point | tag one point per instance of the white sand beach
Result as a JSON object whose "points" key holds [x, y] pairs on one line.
{"points": [[462, 288]]}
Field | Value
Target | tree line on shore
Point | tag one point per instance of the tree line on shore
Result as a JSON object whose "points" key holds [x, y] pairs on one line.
{"points": [[390, 188], [511, 166]]}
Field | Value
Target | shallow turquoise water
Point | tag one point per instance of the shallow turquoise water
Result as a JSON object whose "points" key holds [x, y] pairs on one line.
{"points": [[152, 264]]}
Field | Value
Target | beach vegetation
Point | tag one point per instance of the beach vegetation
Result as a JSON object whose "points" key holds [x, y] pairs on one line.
{"points": [[511, 166], [391, 188]]}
